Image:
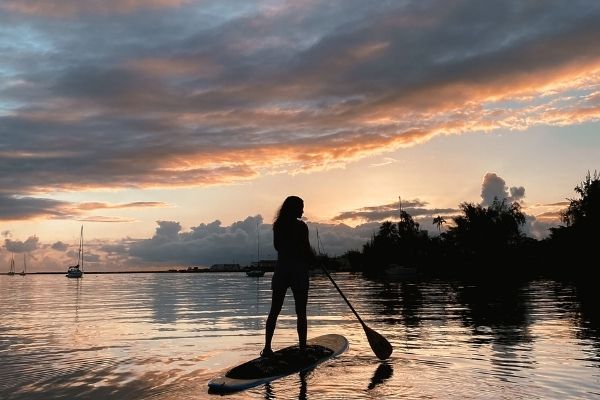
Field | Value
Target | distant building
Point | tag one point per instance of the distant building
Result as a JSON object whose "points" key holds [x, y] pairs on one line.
{"points": [[226, 267]]}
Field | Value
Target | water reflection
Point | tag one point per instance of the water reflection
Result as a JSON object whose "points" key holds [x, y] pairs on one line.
{"points": [[402, 303], [383, 372], [500, 310], [271, 394], [163, 336]]}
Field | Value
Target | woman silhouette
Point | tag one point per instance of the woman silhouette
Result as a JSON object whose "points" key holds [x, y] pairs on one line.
{"points": [[294, 255]]}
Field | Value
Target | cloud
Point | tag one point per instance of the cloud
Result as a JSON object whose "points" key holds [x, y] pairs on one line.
{"points": [[14, 208], [17, 246], [224, 92], [22, 208], [70, 8], [538, 227], [336, 239], [494, 187], [214, 243], [59, 246], [416, 208], [99, 218], [385, 161], [241, 242], [204, 244], [118, 249]]}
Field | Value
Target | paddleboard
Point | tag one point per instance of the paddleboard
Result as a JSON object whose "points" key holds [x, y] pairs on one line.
{"points": [[282, 363]]}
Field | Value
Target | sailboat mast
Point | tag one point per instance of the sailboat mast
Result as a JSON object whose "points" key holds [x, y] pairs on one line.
{"points": [[81, 246], [258, 245]]}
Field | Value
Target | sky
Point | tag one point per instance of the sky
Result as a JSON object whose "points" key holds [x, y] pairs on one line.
{"points": [[172, 130]]}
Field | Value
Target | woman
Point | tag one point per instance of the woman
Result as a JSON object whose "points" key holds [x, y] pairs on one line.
{"points": [[294, 255]]}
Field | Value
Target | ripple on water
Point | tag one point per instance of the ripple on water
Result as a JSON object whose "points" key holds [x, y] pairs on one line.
{"points": [[163, 336]]}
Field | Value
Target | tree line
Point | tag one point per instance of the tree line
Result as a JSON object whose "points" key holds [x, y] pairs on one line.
{"points": [[488, 240]]}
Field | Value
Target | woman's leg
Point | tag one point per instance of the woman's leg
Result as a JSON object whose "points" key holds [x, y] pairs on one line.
{"points": [[300, 292], [276, 304]]}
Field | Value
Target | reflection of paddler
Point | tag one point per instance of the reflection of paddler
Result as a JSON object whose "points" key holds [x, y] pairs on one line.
{"points": [[294, 255]]}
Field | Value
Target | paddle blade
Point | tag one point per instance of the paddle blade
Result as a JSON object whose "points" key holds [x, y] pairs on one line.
{"points": [[380, 346]]}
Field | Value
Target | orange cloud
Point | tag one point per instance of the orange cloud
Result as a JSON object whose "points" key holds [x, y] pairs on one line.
{"points": [[148, 121], [105, 219], [138, 204]]}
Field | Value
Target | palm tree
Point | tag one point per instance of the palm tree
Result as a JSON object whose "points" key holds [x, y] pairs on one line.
{"points": [[586, 209], [439, 221]]}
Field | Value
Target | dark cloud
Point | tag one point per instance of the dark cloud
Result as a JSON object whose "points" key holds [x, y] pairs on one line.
{"points": [[336, 239], [205, 244], [213, 243], [24, 208], [18, 246], [118, 249], [60, 246], [416, 208], [219, 92]]}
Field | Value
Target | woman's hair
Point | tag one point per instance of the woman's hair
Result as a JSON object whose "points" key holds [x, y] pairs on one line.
{"points": [[289, 209]]}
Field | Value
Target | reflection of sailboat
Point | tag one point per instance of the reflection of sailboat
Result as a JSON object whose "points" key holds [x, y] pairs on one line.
{"points": [[22, 273], [11, 271], [76, 271]]}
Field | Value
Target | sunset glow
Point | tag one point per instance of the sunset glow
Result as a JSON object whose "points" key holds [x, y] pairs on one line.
{"points": [[186, 123]]}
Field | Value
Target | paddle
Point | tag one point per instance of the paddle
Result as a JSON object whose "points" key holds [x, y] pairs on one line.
{"points": [[380, 346]]}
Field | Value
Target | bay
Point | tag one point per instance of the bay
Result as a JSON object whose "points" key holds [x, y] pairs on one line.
{"points": [[163, 336]]}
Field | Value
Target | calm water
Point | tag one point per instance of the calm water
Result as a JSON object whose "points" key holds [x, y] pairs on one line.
{"points": [[163, 336]]}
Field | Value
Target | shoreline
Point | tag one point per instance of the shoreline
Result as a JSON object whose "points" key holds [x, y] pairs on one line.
{"points": [[129, 272]]}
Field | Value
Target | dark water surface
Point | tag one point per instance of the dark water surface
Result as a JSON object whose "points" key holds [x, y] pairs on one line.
{"points": [[163, 336]]}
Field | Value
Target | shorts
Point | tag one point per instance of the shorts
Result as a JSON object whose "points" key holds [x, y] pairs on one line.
{"points": [[290, 274]]}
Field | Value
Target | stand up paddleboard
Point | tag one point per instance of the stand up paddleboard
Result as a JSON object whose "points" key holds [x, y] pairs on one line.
{"points": [[283, 362]]}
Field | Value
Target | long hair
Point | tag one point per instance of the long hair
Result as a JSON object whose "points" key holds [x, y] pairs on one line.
{"points": [[289, 210]]}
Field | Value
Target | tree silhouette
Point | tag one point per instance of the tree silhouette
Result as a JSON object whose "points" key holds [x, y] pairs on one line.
{"points": [[585, 211], [576, 242], [486, 232], [489, 237], [439, 221], [407, 225]]}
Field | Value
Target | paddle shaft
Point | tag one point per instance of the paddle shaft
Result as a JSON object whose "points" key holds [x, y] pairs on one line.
{"points": [[336, 286], [380, 345], [343, 296]]}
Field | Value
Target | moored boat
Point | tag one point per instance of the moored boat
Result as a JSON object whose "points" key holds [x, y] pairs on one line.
{"points": [[255, 272], [76, 271], [11, 271]]}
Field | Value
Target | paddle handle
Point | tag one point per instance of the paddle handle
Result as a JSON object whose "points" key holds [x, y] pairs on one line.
{"points": [[343, 296]]}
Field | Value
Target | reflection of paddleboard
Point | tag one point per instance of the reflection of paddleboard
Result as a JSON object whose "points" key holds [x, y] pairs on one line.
{"points": [[283, 362]]}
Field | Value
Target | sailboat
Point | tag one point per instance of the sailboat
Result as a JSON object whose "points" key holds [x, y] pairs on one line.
{"points": [[76, 271], [22, 273], [11, 271]]}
